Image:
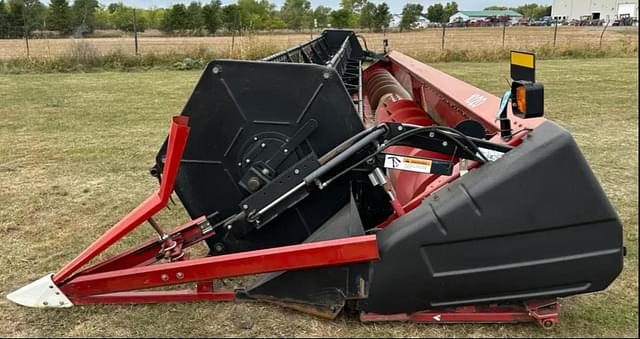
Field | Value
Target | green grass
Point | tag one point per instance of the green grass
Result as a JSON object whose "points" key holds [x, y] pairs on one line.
{"points": [[75, 150]]}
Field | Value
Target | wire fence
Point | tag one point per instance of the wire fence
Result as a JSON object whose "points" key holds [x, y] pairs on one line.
{"points": [[47, 45]]}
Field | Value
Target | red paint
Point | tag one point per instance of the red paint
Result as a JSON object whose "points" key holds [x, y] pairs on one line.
{"points": [[189, 234], [307, 255], [545, 312], [153, 297], [452, 101], [177, 140]]}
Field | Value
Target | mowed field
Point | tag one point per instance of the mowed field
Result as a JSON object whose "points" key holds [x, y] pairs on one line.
{"points": [[75, 150], [429, 39]]}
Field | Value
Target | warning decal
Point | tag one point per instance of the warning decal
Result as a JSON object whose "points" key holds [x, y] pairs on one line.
{"points": [[407, 163]]}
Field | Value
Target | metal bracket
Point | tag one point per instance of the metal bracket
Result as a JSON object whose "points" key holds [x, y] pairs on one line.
{"points": [[40, 293]]}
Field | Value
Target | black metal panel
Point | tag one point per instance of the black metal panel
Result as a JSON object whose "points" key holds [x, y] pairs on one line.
{"points": [[242, 113], [533, 224], [323, 50], [323, 290]]}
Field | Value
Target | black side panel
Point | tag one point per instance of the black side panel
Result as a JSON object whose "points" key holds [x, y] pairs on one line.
{"points": [[335, 37], [535, 223], [244, 113], [321, 290]]}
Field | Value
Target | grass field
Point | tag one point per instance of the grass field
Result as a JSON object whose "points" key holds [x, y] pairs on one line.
{"points": [[430, 39], [75, 150]]}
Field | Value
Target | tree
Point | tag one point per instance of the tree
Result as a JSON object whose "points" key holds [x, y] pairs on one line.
{"points": [[321, 16], [382, 17], [340, 18], [176, 19], [59, 18], [252, 15], [367, 14], [195, 20], [496, 8], [122, 18], [353, 6], [15, 16], [212, 16], [154, 16], [231, 17], [410, 16], [25, 16], [103, 19], [4, 20], [83, 17], [533, 11], [435, 13], [296, 13], [449, 10]]}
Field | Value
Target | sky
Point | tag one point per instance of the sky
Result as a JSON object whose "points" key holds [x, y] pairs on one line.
{"points": [[395, 5]]}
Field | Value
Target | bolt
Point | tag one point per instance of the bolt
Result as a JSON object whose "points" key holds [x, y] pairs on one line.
{"points": [[399, 127], [444, 143], [245, 206], [45, 303], [285, 150], [247, 161], [239, 164], [432, 134], [371, 161], [62, 303], [296, 171], [265, 171], [179, 275], [218, 247], [50, 286], [215, 70], [57, 293], [164, 277], [326, 75], [263, 145], [229, 227], [255, 138]]}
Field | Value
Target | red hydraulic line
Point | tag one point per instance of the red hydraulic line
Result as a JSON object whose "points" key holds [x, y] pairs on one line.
{"points": [[178, 134], [307, 255]]}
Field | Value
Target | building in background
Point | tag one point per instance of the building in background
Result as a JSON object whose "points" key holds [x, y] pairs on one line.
{"points": [[464, 16], [606, 10]]}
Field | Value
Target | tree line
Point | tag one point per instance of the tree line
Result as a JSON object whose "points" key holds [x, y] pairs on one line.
{"points": [[20, 17], [78, 17]]}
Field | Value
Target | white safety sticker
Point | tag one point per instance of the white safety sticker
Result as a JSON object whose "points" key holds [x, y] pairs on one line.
{"points": [[407, 163], [490, 154], [475, 100]]}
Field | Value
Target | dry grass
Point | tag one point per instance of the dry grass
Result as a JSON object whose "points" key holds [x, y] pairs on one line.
{"points": [[411, 43], [74, 156]]}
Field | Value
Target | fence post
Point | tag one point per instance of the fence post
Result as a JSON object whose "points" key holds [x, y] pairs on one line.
{"points": [[444, 27], [504, 30], [233, 39], [26, 27], [26, 40], [135, 31], [555, 33], [602, 34]]}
